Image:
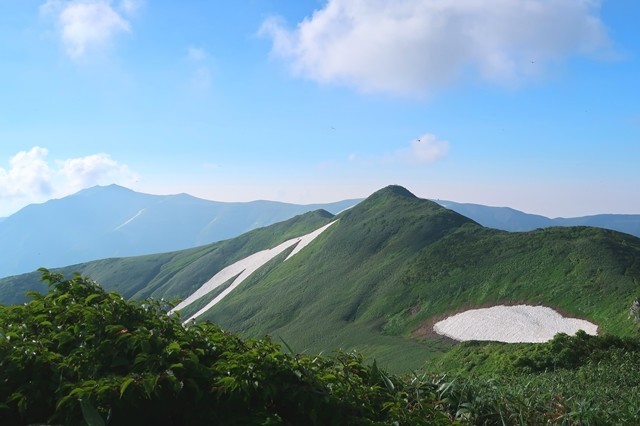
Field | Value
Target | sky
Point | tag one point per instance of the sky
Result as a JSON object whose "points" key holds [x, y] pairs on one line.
{"points": [[531, 104]]}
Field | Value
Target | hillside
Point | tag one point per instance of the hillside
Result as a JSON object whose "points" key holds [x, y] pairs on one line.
{"points": [[378, 278], [169, 275], [111, 221], [393, 263]]}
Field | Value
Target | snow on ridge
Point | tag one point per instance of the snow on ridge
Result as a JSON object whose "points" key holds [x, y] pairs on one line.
{"points": [[305, 240], [511, 324], [130, 220], [243, 268]]}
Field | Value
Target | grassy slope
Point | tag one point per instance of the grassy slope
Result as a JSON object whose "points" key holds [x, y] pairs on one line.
{"points": [[378, 278], [175, 274], [395, 262], [337, 278]]}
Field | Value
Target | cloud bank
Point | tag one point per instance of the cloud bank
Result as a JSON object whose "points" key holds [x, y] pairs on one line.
{"points": [[414, 47], [86, 26], [31, 177]]}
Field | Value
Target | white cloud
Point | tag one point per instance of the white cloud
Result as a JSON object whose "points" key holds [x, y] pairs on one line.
{"points": [[88, 25], [426, 149], [97, 169], [417, 46], [31, 178], [29, 175]]}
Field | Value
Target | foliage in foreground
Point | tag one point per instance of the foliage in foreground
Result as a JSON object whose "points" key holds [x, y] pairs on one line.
{"points": [[572, 380], [602, 393], [81, 355]]}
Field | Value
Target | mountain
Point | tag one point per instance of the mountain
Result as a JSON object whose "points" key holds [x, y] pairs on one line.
{"points": [[379, 275], [508, 219], [174, 274], [110, 221]]}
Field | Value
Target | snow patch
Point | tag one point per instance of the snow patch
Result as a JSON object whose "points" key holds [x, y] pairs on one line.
{"points": [[243, 268], [305, 240], [511, 324], [130, 220]]}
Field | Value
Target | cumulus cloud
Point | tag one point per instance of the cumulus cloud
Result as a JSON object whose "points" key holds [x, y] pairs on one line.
{"points": [[28, 175], [89, 25], [31, 177], [93, 170], [417, 46], [425, 149]]}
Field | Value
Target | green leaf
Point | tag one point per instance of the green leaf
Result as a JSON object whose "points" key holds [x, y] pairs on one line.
{"points": [[125, 385], [286, 345], [90, 414], [174, 346], [149, 384], [91, 297], [387, 382]]}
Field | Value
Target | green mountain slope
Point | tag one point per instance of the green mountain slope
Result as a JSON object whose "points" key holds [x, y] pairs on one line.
{"points": [[379, 277], [113, 221], [171, 275]]}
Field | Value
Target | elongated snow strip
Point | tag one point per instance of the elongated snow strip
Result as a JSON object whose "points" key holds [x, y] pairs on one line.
{"points": [[511, 324], [243, 268], [305, 240], [129, 221]]}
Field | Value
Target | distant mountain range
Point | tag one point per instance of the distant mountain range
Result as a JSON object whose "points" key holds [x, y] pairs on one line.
{"points": [[109, 221], [377, 276], [508, 219], [112, 221]]}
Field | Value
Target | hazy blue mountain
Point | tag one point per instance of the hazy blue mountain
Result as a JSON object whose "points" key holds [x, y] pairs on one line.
{"points": [[110, 221], [508, 219], [629, 223]]}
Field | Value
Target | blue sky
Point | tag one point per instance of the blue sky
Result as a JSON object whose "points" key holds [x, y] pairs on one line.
{"points": [[532, 104]]}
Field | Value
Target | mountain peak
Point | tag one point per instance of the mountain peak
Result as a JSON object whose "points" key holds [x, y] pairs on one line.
{"points": [[103, 188], [394, 191]]}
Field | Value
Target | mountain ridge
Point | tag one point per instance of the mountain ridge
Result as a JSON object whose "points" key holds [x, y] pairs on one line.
{"points": [[383, 271], [128, 223], [114, 221], [509, 219], [387, 267]]}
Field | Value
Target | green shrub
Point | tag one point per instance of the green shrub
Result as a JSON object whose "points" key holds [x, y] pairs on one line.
{"points": [[80, 355]]}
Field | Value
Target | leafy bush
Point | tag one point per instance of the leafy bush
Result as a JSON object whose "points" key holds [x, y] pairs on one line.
{"points": [[80, 355]]}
